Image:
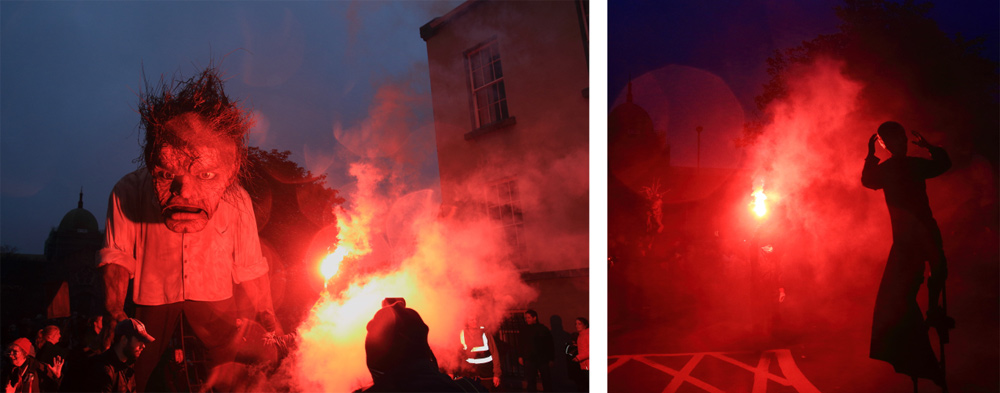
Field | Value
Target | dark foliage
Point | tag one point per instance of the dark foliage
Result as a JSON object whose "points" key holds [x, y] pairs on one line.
{"points": [[909, 67], [292, 206]]}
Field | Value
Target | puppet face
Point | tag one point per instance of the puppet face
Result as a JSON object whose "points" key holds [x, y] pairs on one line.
{"points": [[192, 173]]}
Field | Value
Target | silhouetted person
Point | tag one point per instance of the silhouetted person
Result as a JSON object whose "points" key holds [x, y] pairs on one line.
{"points": [[899, 335], [581, 361], [480, 357], [113, 370], [51, 355], [767, 286], [399, 358], [536, 347], [25, 373]]}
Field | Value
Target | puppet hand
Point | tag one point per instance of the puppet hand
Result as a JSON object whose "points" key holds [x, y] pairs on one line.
{"points": [[272, 339], [108, 331], [871, 144], [268, 321], [118, 315], [496, 381], [9, 388]]}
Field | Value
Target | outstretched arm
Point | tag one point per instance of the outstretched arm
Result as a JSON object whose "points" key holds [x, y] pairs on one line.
{"points": [[115, 289], [259, 292]]}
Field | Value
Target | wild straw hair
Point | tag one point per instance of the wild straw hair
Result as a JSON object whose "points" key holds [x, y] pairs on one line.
{"points": [[202, 95]]}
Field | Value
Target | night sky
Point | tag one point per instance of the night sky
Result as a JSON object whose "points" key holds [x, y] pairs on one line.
{"points": [[70, 73], [700, 63], [703, 62], [319, 76]]}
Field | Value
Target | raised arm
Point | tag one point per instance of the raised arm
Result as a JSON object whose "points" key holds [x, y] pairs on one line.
{"points": [[869, 175], [939, 163]]}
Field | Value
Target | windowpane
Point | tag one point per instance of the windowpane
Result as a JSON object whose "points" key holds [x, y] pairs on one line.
{"points": [[484, 116], [504, 209], [495, 213], [477, 78], [488, 73], [477, 60], [492, 116], [482, 98]]}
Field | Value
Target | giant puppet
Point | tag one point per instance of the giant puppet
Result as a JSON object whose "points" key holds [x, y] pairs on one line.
{"points": [[181, 228]]}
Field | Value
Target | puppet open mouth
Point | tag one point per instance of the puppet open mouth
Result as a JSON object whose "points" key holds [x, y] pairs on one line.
{"points": [[178, 212]]}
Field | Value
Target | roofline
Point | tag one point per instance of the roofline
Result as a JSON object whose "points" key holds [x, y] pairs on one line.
{"points": [[430, 29]]}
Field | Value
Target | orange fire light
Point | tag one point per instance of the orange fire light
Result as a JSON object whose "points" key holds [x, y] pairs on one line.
{"points": [[757, 205], [331, 263]]}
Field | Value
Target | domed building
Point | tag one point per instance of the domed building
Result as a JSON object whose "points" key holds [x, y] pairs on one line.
{"points": [[71, 251], [631, 137], [36, 288]]}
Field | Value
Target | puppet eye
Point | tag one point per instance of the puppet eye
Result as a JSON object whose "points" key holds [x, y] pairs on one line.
{"points": [[206, 175], [164, 175]]}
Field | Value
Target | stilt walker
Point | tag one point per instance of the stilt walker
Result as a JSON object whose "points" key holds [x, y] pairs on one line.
{"points": [[899, 329]]}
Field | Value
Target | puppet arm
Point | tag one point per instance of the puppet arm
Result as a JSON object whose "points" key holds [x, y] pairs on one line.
{"points": [[259, 292], [115, 289]]}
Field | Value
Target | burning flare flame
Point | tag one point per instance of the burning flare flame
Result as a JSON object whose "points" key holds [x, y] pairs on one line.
{"points": [[331, 263], [757, 205]]}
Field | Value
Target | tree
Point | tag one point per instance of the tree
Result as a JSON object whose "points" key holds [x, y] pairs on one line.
{"points": [[292, 205], [895, 47]]}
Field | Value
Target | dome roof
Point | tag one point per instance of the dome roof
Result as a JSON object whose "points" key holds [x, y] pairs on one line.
{"points": [[79, 220], [628, 120]]}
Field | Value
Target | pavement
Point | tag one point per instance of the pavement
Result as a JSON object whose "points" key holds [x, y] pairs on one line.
{"points": [[648, 360], [696, 331]]}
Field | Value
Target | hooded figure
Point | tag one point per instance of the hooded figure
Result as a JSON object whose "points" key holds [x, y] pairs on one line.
{"points": [[399, 358], [899, 333]]}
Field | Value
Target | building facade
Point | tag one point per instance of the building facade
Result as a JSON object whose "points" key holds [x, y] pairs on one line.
{"points": [[509, 85]]}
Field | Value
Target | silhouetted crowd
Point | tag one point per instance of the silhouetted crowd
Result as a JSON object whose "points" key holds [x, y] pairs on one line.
{"points": [[81, 360]]}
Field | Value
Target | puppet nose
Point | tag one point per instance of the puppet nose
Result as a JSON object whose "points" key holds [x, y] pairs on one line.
{"points": [[182, 186]]}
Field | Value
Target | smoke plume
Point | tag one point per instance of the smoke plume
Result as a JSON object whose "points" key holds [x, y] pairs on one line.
{"points": [[398, 244]]}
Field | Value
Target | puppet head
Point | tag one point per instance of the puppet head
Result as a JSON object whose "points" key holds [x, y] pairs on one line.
{"points": [[195, 144]]}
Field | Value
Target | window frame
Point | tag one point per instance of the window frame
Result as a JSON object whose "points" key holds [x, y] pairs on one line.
{"points": [[503, 207], [492, 86]]}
